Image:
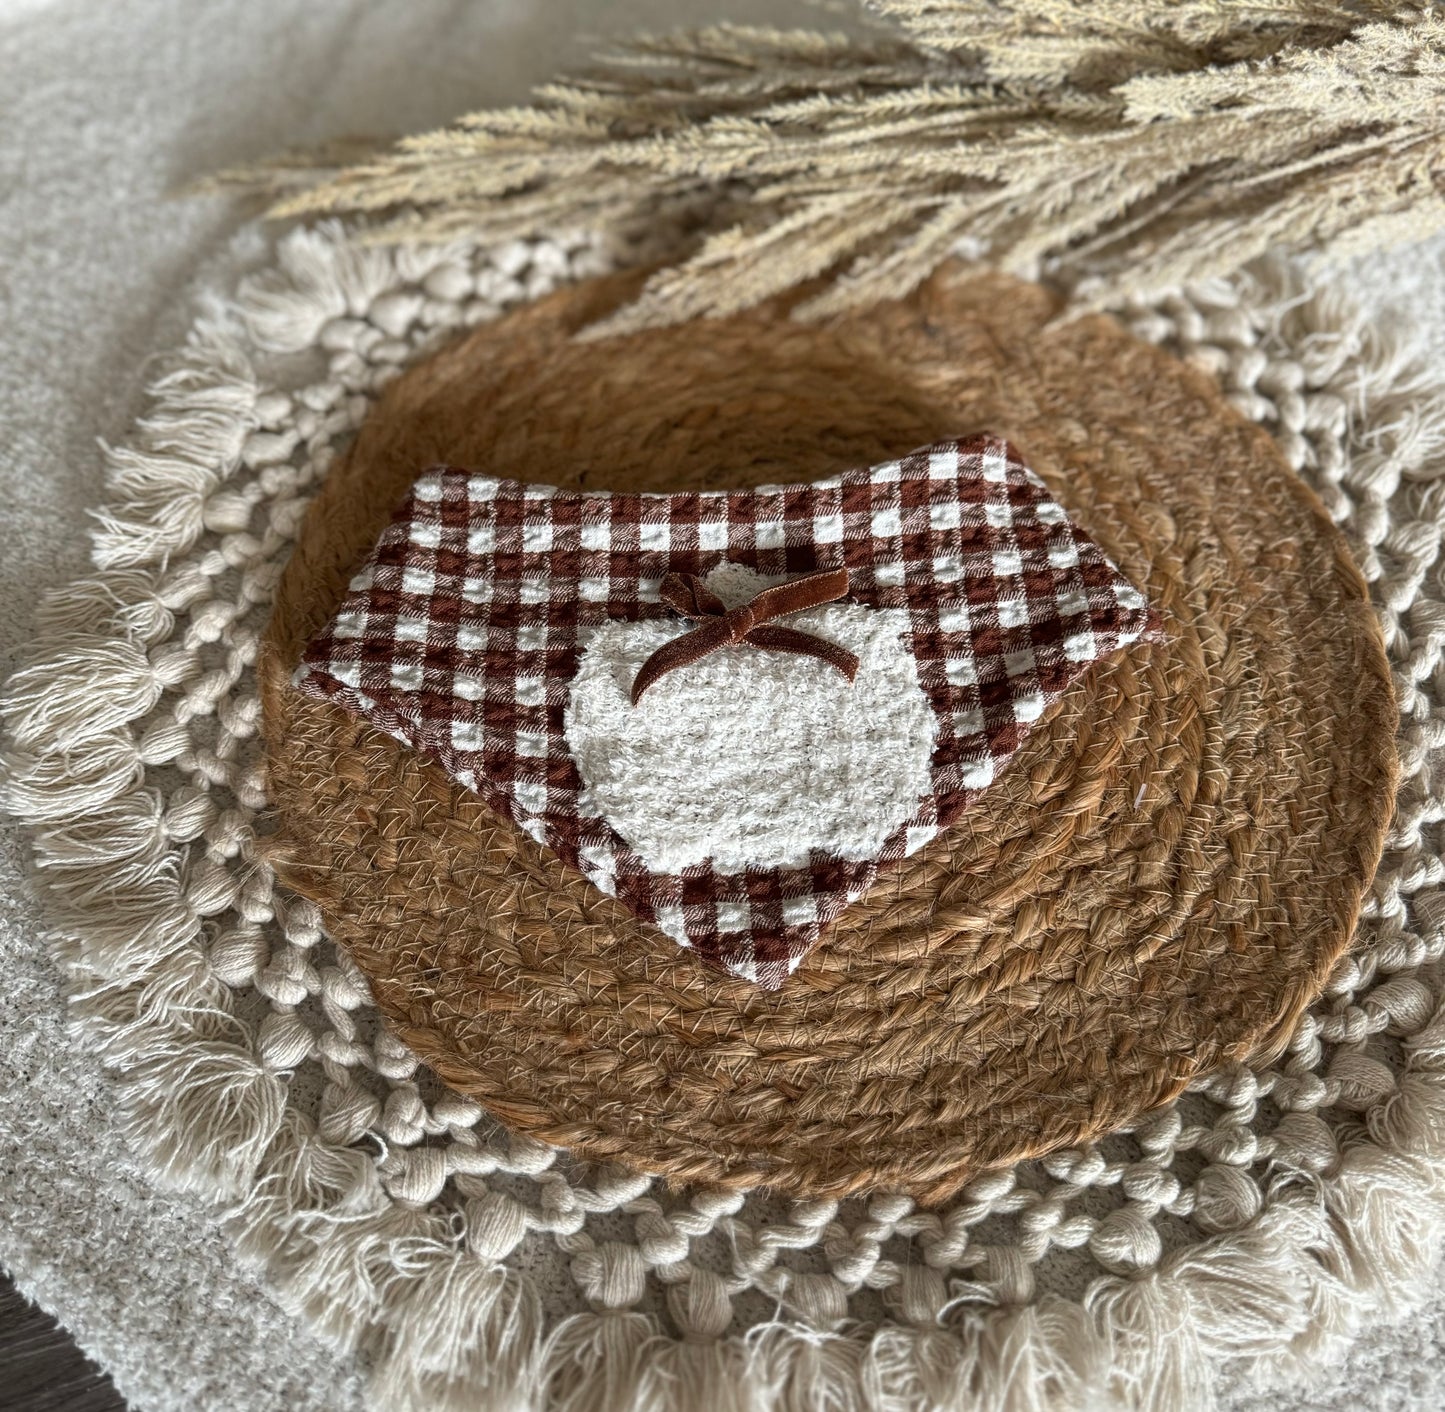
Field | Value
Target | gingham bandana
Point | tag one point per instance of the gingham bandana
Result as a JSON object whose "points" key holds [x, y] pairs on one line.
{"points": [[463, 632]]}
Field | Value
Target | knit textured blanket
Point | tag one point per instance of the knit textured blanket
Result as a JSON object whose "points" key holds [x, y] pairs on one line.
{"points": [[1274, 1273]]}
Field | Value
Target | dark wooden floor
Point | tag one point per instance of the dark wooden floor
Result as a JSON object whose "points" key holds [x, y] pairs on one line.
{"points": [[41, 1369]]}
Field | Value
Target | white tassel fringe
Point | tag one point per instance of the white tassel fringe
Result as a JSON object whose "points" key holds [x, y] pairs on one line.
{"points": [[447, 1329]]}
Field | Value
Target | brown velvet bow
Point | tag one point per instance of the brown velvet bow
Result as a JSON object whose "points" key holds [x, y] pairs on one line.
{"points": [[750, 622]]}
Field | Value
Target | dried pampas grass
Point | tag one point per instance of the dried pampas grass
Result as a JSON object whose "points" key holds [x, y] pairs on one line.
{"points": [[1110, 143]]}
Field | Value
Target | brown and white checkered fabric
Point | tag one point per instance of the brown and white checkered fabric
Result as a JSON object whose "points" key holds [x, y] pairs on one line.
{"points": [[462, 634]]}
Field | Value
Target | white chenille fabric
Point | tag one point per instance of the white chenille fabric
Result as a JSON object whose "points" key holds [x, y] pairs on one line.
{"points": [[751, 758]]}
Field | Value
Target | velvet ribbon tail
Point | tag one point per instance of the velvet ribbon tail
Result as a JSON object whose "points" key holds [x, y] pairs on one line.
{"points": [[720, 626]]}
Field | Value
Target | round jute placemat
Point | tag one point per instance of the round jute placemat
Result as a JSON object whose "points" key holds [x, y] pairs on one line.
{"points": [[1159, 884]]}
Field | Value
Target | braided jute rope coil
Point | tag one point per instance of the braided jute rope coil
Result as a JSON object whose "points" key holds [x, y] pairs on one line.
{"points": [[1160, 885]]}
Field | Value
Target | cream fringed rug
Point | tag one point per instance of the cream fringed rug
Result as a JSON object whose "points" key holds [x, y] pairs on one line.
{"points": [[1266, 1217]]}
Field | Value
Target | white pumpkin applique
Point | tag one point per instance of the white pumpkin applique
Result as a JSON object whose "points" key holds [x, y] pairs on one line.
{"points": [[748, 758], [746, 797]]}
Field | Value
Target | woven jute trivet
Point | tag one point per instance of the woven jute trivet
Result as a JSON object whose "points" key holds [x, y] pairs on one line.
{"points": [[1159, 884]]}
